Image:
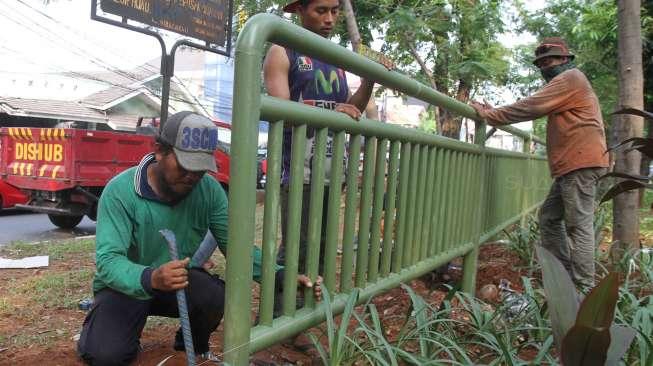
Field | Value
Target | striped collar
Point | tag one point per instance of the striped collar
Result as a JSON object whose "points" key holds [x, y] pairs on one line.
{"points": [[141, 185]]}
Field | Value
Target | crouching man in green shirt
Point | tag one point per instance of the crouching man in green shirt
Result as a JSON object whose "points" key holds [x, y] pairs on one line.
{"points": [[135, 277]]}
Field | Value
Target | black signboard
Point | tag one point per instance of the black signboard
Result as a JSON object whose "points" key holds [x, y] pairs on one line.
{"points": [[202, 19]]}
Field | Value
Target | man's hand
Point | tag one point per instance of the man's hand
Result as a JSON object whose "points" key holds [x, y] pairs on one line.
{"points": [[482, 109], [349, 109], [171, 276], [304, 281]]}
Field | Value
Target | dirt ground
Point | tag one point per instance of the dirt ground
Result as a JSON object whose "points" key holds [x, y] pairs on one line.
{"points": [[39, 328]]}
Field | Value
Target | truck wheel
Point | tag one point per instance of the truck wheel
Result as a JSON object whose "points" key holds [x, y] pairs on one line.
{"points": [[65, 222]]}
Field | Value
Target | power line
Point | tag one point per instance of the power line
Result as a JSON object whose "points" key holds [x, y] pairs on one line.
{"points": [[95, 60]]}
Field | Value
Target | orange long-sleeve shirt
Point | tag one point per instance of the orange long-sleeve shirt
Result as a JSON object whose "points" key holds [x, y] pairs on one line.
{"points": [[575, 135]]}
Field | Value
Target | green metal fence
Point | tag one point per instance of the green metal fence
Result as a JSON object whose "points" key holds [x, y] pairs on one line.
{"points": [[442, 197]]}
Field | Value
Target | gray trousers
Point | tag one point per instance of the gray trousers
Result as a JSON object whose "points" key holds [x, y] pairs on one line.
{"points": [[567, 223]]}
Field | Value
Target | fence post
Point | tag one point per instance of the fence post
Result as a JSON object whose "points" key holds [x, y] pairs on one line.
{"points": [[470, 261]]}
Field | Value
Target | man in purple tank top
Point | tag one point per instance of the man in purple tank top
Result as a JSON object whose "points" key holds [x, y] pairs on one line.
{"points": [[297, 77]]}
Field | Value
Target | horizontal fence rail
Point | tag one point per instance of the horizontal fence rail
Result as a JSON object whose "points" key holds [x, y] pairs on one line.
{"points": [[413, 202]]}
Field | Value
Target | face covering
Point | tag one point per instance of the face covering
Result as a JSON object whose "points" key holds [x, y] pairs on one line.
{"points": [[551, 72]]}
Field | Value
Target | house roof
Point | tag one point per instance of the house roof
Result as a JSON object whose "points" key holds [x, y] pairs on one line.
{"points": [[64, 110], [121, 85]]}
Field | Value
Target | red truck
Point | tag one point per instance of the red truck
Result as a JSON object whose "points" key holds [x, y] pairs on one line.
{"points": [[64, 170]]}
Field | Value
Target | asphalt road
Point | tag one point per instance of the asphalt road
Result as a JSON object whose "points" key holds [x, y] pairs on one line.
{"points": [[16, 225]]}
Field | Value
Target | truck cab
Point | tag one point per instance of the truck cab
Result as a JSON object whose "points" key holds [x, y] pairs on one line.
{"points": [[64, 170]]}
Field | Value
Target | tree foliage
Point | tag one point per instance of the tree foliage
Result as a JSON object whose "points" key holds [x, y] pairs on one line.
{"points": [[450, 45], [590, 29]]}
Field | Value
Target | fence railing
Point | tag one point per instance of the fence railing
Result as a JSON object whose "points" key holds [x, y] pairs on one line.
{"points": [[420, 201]]}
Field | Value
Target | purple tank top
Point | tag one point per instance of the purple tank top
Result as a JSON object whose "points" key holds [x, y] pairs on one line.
{"points": [[318, 84]]}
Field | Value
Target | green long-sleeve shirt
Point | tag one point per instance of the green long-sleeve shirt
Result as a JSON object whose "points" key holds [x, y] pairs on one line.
{"points": [[128, 241]]}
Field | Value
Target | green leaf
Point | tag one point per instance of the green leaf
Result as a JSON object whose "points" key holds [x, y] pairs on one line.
{"points": [[419, 311], [378, 328], [625, 176], [634, 140], [544, 350], [560, 293], [597, 309], [621, 187], [320, 349], [331, 326], [621, 337], [344, 321], [646, 149], [635, 112], [585, 346]]}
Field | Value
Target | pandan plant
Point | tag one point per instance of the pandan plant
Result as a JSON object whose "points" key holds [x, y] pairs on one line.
{"points": [[583, 330], [641, 144]]}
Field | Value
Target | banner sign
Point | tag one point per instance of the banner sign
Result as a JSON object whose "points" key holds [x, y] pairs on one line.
{"points": [[206, 20]]}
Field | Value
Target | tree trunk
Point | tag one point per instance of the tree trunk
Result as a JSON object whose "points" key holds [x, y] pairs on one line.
{"points": [[371, 111], [631, 94], [448, 124], [352, 26]]}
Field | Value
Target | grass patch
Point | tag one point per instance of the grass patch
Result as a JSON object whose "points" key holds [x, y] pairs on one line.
{"points": [[154, 322], [57, 250], [59, 290], [46, 338]]}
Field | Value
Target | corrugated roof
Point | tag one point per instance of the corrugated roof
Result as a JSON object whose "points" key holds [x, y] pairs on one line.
{"points": [[57, 109], [65, 110]]}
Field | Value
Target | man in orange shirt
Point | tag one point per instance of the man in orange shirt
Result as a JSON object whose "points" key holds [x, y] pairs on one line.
{"points": [[576, 151]]}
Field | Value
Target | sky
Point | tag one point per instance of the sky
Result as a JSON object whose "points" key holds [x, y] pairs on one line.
{"points": [[61, 37], [35, 37]]}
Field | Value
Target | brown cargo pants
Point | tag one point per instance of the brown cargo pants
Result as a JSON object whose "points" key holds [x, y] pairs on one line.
{"points": [[567, 223]]}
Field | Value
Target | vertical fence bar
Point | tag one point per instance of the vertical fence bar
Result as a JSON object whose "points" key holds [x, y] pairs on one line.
{"points": [[412, 197], [466, 197], [404, 175], [295, 193], [347, 264], [453, 202], [525, 202], [490, 205], [461, 186], [315, 211], [362, 254], [438, 199], [427, 217], [389, 219], [470, 261], [476, 225], [271, 221], [377, 211], [419, 204], [446, 201], [242, 206], [460, 204], [333, 211]]}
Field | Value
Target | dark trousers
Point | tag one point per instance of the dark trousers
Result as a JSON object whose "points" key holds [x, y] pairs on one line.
{"points": [[112, 329], [303, 228]]}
